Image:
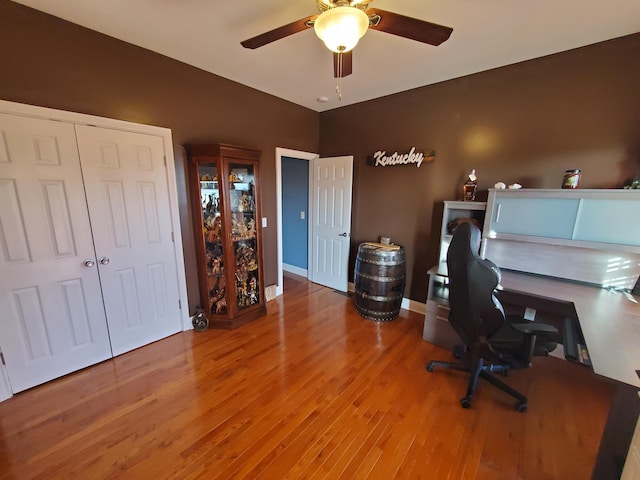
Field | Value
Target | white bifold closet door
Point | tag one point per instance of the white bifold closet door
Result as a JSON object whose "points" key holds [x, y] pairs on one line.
{"points": [[128, 197], [52, 318], [83, 276]]}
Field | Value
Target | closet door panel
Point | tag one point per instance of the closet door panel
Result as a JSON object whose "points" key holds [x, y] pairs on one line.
{"points": [[127, 194], [53, 319]]}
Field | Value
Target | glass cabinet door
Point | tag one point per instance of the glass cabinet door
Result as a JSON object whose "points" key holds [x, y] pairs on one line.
{"points": [[242, 205], [212, 229]]}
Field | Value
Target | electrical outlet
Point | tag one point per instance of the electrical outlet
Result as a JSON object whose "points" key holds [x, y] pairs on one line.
{"points": [[302, 215], [529, 314]]}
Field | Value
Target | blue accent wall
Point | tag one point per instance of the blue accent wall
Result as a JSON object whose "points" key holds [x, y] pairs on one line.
{"points": [[295, 199]]}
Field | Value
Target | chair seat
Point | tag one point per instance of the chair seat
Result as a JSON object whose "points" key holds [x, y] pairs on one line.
{"points": [[507, 338]]}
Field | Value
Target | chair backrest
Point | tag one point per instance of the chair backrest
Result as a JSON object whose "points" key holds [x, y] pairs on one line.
{"points": [[474, 310]]}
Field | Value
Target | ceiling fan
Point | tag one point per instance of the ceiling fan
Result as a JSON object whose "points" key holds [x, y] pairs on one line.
{"points": [[341, 23]]}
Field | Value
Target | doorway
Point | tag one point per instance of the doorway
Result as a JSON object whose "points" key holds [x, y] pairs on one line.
{"points": [[329, 217], [301, 156], [295, 209]]}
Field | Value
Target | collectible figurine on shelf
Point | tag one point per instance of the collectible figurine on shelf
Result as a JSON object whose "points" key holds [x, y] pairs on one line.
{"points": [[251, 228], [245, 258], [213, 229], [216, 268], [209, 206], [218, 302], [243, 231], [253, 291], [214, 292], [246, 203], [235, 230], [242, 294], [221, 305]]}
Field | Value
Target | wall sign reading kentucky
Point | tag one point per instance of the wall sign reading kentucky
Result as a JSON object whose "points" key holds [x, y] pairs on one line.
{"points": [[381, 159]]}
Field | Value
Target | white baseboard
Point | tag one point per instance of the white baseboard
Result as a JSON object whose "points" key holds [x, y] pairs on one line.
{"points": [[414, 306], [5, 386], [271, 292], [303, 272]]}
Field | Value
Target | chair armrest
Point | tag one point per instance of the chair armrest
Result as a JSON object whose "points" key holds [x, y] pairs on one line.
{"points": [[531, 327]]}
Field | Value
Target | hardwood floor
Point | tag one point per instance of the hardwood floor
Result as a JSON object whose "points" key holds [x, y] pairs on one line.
{"points": [[312, 390]]}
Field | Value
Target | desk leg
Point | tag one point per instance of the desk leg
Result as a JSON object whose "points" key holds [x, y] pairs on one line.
{"points": [[618, 432]]}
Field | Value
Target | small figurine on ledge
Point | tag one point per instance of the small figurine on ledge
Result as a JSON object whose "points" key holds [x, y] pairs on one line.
{"points": [[470, 186]]}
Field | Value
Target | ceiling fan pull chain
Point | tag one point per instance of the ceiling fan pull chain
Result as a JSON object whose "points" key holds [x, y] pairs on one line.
{"points": [[339, 86]]}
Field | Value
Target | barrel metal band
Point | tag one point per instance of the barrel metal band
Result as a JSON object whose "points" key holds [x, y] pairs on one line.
{"points": [[375, 315], [393, 262], [381, 279]]}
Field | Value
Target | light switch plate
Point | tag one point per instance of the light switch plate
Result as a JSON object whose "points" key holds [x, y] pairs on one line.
{"points": [[302, 215], [264, 222]]}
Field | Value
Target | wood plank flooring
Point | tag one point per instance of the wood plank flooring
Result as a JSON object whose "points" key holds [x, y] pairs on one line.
{"points": [[311, 390]]}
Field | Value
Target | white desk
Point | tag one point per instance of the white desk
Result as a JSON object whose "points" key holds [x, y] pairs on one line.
{"points": [[610, 321]]}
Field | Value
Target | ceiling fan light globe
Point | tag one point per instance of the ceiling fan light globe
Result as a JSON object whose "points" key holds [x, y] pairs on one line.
{"points": [[340, 28]]}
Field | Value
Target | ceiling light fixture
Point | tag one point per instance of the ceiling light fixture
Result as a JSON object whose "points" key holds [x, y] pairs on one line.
{"points": [[340, 28]]}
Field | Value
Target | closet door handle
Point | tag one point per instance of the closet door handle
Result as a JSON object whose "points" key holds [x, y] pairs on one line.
{"points": [[88, 263], [104, 260]]}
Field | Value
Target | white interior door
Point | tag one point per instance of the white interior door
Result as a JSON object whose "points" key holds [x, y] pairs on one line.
{"points": [[331, 185], [128, 198], [52, 319]]}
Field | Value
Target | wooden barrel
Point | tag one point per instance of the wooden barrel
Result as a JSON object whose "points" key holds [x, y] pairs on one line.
{"points": [[379, 280]]}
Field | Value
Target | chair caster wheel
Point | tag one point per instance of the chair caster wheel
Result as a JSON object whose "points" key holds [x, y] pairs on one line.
{"points": [[430, 368], [465, 402], [200, 321], [521, 407]]}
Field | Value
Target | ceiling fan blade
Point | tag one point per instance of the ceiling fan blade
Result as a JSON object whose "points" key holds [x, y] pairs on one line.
{"points": [[347, 64], [280, 32], [407, 27]]}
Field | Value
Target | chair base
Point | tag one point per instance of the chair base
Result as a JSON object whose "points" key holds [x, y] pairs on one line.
{"points": [[482, 370]]}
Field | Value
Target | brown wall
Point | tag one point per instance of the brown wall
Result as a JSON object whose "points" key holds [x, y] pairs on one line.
{"points": [[524, 123], [53, 63]]}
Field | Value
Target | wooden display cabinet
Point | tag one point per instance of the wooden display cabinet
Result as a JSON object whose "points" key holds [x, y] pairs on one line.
{"points": [[224, 185]]}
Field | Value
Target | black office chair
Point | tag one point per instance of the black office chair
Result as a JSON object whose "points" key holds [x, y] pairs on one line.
{"points": [[493, 342]]}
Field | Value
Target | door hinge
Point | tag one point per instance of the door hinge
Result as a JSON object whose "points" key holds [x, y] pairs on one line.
{"points": [[179, 304], [2, 358], [165, 160], [173, 238]]}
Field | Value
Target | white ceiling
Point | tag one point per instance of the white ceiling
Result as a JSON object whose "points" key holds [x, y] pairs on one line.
{"points": [[486, 34]]}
